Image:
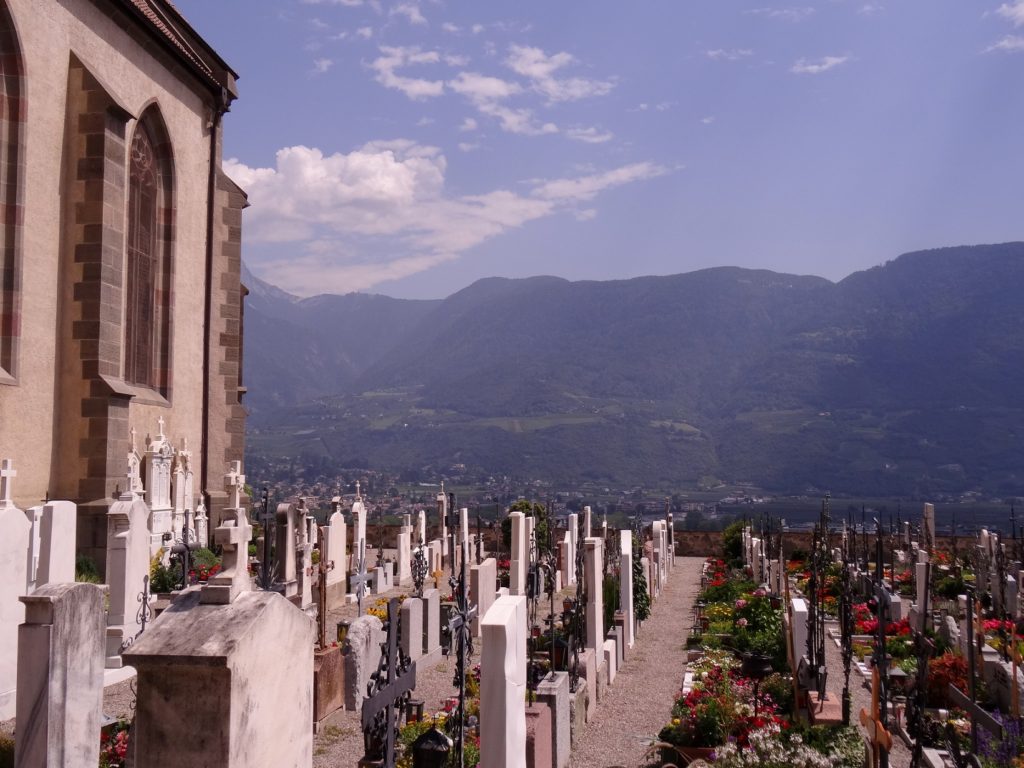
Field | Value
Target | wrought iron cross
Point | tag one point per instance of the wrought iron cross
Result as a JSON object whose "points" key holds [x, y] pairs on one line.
{"points": [[461, 636], [418, 566], [358, 579], [323, 568], [578, 615], [387, 692]]}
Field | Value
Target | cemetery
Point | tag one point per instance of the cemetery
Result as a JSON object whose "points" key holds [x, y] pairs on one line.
{"points": [[284, 637]]}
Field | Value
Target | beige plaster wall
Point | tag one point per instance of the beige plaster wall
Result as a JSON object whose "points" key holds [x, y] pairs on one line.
{"points": [[49, 32]]}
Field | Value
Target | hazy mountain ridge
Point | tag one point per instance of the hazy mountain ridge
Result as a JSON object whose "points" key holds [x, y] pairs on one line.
{"points": [[898, 378]]}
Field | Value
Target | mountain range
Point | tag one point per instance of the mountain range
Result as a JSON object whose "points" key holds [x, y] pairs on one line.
{"points": [[900, 379]]}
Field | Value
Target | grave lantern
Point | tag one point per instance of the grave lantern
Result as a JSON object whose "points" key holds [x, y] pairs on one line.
{"points": [[413, 710], [756, 666], [431, 749]]}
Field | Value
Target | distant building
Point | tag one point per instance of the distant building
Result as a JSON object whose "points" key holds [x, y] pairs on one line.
{"points": [[120, 296]]}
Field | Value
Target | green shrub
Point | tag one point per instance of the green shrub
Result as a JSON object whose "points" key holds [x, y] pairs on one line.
{"points": [[86, 570], [163, 578], [205, 557], [732, 540]]}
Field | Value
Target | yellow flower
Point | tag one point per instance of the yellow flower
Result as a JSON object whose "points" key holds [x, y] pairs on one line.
{"points": [[675, 721]]}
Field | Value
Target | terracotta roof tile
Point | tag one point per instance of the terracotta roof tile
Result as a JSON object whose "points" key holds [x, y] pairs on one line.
{"points": [[166, 28]]}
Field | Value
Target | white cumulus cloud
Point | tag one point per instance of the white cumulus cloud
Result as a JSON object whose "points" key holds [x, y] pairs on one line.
{"points": [[350, 221]]}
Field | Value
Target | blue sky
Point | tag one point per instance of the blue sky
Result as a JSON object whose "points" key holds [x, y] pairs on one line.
{"points": [[410, 148]]}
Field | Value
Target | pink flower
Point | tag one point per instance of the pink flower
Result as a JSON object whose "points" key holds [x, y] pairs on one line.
{"points": [[741, 603], [741, 623]]}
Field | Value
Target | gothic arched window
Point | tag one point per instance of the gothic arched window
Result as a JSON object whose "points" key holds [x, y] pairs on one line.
{"points": [[148, 273], [12, 171]]}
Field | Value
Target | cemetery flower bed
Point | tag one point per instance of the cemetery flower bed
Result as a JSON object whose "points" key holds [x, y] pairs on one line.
{"points": [[114, 746], [720, 706]]}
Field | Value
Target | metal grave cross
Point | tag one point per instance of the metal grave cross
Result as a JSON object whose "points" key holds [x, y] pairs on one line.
{"points": [[877, 736], [418, 566], [460, 633], [578, 615], [388, 690], [7, 475], [323, 567], [358, 579]]}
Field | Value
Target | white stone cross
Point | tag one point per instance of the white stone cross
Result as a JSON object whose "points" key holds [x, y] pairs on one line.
{"points": [[160, 423], [358, 494], [7, 474], [132, 433], [234, 482]]}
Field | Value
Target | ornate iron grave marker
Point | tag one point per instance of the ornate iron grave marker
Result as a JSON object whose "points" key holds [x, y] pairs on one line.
{"points": [[359, 578], [875, 722], [418, 566], [460, 636], [323, 568], [387, 693], [577, 618]]}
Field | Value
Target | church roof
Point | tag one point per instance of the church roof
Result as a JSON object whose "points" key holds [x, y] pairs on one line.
{"points": [[165, 21]]}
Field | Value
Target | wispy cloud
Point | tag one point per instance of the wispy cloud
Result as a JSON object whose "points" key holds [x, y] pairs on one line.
{"points": [[489, 94], [349, 3], [540, 69], [381, 212], [1013, 11], [817, 66], [728, 54], [1009, 44], [450, 28], [708, 120], [588, 187], [871, 9], [365, 32], [394, 58], [589, 135], [469, 124], [320, 66], [793, 14], [411, 11], [468, 146]]}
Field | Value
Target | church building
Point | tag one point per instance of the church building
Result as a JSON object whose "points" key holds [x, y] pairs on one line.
{"points": [[120, 255]]}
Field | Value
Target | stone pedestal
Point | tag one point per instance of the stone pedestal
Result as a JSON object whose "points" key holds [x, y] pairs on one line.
{"points": [[127, 565], [14, 546], [579, 700], [60, 676], [361, 656], [483, 584], [553, 691], [503, 685], [538, 736], [328, 682], [212, 688], [520, 554], [412, 628], [431, 620]]}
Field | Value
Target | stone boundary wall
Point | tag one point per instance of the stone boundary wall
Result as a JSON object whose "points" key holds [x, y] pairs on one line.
{"points": [[707, 543]]}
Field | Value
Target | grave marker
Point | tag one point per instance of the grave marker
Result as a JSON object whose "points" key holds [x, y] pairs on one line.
{"points": [[389, 690]]}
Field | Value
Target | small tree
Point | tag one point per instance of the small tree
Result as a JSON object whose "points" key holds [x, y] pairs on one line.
{"points": [[641, 597]]}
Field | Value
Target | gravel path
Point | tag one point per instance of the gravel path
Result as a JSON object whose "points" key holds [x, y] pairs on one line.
{"points": [[860, 697], [639, 702]]}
